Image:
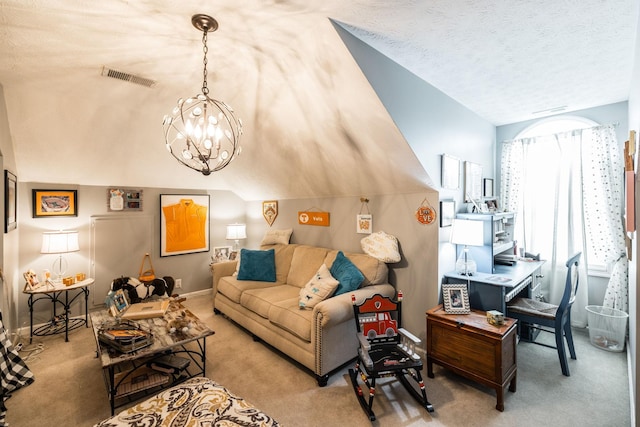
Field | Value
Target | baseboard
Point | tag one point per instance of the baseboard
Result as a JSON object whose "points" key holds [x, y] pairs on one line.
{"points": [[632, 390]]}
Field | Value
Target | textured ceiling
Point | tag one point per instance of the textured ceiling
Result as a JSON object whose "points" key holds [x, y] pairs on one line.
{"points": [[281, 65]]}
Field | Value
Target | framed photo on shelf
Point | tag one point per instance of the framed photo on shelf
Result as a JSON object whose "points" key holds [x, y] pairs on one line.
{"points": [[456, 298], [10, 201], [184, 224], [55, 203]]}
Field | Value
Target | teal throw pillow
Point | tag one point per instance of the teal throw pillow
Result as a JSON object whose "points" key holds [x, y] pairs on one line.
{"points": [[257, 265], [345, 272]]}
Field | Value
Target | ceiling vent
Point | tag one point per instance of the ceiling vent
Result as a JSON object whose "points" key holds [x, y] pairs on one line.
{"points": [[108, 72]]}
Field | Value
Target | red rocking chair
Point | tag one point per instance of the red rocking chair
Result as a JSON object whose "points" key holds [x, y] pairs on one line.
{"points": [[385, 350]]}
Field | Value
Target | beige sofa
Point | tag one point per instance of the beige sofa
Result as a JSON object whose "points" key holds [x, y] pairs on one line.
{"points": [[321, 339]]}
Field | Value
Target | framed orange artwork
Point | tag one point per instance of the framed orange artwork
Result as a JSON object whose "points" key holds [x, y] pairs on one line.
{"points": [[184, 224], [55, 203]]}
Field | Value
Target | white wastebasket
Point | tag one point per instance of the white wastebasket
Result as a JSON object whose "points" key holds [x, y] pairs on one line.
{"points": [[607, 327]]}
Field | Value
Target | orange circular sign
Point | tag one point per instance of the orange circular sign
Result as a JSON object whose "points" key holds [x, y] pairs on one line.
{"points": [[425, 215]]}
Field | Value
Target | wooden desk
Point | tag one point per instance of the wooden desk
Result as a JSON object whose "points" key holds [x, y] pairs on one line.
{"points": [[470, 346], [494, 291], [53, 293]]}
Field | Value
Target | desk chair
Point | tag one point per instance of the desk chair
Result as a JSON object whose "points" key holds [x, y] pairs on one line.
{"points": [[385, 350], [544, 315]]}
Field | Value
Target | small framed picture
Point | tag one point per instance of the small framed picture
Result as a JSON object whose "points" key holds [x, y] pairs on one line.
{"points": [[10, 201], [488, 187], [492, 205], [364, 223], [55, 203], [456, 298], [221, 253]]}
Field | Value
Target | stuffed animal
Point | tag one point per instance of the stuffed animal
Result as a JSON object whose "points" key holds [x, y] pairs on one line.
{"points": [[180, 323]]}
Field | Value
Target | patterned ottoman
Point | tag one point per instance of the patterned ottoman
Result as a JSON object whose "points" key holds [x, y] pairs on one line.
{"points": [[195, 402]]}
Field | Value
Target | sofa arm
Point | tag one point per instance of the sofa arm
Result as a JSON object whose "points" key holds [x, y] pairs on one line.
{"points": [[222, 269], [338, 309]]}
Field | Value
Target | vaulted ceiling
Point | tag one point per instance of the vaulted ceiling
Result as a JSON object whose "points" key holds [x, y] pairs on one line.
{"points": [[313, 125]]}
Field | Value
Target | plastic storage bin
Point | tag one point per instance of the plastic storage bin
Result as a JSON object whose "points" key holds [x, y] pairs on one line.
{"points": [[607, 327]]}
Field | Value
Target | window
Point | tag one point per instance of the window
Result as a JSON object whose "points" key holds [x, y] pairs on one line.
{"points": [[556, 125]]}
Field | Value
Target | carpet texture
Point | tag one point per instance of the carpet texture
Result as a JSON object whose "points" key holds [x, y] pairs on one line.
{"points": [[69, 389]]}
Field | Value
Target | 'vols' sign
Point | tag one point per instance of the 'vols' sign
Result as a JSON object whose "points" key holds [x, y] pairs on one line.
{"points": [[313, 218]]}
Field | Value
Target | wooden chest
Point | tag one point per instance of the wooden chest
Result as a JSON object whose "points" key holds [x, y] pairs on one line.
{"points": [[470, 346]]}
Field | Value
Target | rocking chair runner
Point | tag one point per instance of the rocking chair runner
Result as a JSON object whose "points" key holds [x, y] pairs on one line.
{"points": [[385, 350]]}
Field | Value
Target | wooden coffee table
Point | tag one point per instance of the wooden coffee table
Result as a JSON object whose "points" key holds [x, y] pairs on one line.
{"points": [[128, 376]]}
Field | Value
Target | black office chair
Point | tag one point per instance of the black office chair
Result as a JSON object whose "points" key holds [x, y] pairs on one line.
{"points": [[385, 350], [541, 315]]}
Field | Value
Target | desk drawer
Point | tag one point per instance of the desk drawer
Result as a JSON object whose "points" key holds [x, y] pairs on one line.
{"points": [[466, 350]]}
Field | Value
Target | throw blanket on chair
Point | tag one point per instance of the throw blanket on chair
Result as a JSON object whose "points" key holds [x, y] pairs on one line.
{"points": [[196, 402], [14, 372]]}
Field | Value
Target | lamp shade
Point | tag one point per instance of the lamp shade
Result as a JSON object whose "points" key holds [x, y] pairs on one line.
{"points": [[236, 231], [467, 232], [59, 242]]}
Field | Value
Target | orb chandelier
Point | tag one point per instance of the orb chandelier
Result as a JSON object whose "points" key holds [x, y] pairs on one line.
{"points": [[200, 132]]}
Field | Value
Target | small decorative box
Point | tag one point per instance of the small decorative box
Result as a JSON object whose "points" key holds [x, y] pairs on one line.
{"points": [[68, 281], [495, 317]]}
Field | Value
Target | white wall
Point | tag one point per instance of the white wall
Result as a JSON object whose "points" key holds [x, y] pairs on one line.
{"points": [[432, 123]]}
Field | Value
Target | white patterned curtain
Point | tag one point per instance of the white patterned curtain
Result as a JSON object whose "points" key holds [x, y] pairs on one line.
{"points": [[566, 190], [603, 201]]}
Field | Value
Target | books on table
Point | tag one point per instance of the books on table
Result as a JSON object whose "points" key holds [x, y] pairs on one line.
{"points": [[146, 309]]}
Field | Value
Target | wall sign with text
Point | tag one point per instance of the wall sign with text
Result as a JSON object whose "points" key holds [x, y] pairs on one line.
{"points": [[313, 218]]}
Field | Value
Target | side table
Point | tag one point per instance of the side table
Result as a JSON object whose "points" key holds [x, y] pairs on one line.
{"points": [[472, 347], [54, 293]]}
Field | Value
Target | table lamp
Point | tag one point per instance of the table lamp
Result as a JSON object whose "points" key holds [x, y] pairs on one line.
{"points": [[468, 233], [59, 242], [236, 232]]}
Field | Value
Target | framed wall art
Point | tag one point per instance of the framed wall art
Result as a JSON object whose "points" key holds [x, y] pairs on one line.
{"points": [[447, 212], [456, 298], [270, 211], [124, 199], [487, 190], [450, 172], [48, 203], [472, 181], [184, 224], [10, 201]]}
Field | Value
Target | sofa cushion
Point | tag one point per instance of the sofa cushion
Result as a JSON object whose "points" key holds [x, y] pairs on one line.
{"points": [[286, 315], [260, 300], [274, 237], [320, 287], [233, 288], [284, 253], [375, 272], [257, 265], [305, 262], [346, 273]]}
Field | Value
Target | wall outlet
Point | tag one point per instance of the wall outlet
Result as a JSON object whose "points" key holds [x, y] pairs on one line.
{"points": [[178, 283]]}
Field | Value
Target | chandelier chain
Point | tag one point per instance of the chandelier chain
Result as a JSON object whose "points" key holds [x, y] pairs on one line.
{"points": [[205, 50]]}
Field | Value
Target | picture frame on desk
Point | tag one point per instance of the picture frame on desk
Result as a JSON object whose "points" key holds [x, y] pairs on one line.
{"points": [[455, 298]]}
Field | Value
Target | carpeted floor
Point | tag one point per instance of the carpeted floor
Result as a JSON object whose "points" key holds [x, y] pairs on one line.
{"points": [[69, 389]]}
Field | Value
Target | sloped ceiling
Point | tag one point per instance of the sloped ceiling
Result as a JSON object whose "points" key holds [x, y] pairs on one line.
{"points": [[313, 125]]}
